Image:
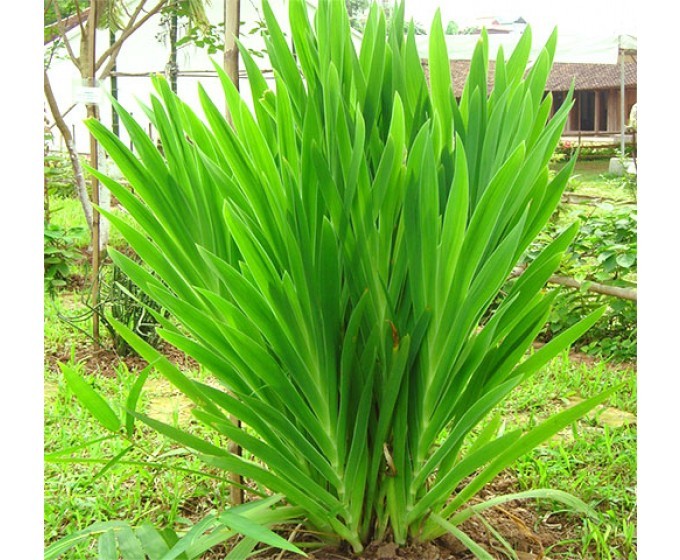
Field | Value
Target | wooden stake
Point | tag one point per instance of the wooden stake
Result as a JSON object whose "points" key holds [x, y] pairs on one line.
{"points": [[92, 112], [232, 15]]}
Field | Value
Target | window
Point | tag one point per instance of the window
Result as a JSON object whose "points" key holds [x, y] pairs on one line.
{"points": [[558, 99]]}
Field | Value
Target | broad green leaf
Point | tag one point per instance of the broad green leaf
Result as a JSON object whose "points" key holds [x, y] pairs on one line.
{"points": [[106, 545], [128, 544], [133, 397]]}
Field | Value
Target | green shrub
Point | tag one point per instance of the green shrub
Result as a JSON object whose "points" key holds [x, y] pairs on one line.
{"points": [[604, 251], [328, 256], [60, 254], [591, 152]]}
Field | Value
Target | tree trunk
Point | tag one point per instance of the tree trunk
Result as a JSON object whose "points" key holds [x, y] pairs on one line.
{"points": [[89, 73], [594, 287], [614, 291], [81, 188], [232, 15], [172, 64]]}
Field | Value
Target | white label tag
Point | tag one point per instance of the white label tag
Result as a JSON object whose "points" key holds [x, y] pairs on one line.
{"points": [[87, 95]]}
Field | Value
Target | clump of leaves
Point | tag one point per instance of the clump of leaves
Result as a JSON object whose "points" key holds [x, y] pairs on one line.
{"points": [[609, 236], [329, 255], [604, 251], [592, 152], [60, 255], [128, 305]]}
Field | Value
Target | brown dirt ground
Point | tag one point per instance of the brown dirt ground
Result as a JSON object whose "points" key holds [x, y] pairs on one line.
{"points": [[103, 361], [518, 522]]}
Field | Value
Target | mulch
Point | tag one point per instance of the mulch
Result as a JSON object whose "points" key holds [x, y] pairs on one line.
{"points": [[105, 361]]}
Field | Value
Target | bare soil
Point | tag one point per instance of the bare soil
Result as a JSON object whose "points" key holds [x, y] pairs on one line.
{"points": [[518, 523]]}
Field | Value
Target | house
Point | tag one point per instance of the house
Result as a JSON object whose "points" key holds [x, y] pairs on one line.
{"points": [[496, 26], [592, 63], [597, 95]]}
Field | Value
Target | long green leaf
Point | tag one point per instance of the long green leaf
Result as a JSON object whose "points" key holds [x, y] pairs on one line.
{"points": [[90, 399]]}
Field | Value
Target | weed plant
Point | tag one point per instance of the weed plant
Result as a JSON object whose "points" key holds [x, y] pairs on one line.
{"points": [[149, 481], [60, 255]]}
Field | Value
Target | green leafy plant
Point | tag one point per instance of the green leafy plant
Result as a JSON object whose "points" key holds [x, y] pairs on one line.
{"points": [[126, 303], [604, 251], [607, 243], [329, 254], [60, 254], [57, 171]]}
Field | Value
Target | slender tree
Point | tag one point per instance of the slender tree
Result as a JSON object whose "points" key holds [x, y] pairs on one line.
{"points": [[88, 16], [94, 68], [175, 13]]}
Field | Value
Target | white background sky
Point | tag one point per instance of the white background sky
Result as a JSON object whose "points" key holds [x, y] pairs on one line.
{"points": [[585, 15]]}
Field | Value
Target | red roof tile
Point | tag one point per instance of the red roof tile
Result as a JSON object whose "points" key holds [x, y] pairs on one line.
{"points": [[588, 76]]}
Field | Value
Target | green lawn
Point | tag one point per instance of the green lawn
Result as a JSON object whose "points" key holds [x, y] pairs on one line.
{"points": [[592, 178]]}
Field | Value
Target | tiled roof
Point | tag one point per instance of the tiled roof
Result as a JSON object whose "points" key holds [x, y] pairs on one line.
{"points": [[459, 72], [588, 76]]}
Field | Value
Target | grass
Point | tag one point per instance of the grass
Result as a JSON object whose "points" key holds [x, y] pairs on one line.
{"points": [[150, 483], [596, 459], [592, 178]]}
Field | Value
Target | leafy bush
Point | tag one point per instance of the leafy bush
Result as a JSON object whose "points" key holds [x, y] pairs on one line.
{"points": [[329, 257], [60, 254], [604, 251], [592, 152], [605, 248]]}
